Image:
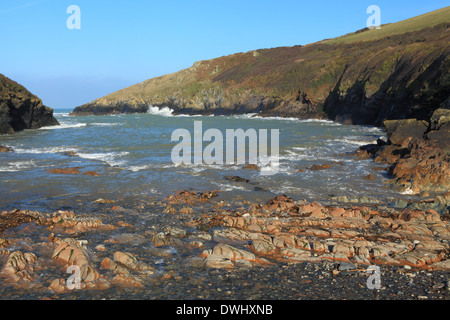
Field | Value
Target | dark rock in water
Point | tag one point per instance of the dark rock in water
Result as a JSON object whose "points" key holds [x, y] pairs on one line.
{"points": [[64, 171], [20, 110], [368, 151], [381, 142], [91, 173], [259, 189], [250, 167], [70, 153], [316, 167], [117, 107], [236, 179], [5, 149]]}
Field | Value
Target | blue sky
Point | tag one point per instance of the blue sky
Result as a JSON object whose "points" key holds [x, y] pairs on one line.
{"points": [[121, 43]]}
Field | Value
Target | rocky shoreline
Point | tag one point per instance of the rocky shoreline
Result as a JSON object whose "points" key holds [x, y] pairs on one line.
{"points": [[194, 240]]}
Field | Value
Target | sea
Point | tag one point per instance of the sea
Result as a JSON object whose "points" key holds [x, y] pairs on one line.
{"points": [[131, 153]]}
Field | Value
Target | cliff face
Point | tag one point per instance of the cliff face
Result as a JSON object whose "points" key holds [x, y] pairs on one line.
{"points": [[397, 74], [19, 109]]}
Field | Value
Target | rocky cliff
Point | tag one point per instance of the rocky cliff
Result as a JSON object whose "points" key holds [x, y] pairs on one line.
{"points": [[361, 78], [19, 109], [417, 153]]}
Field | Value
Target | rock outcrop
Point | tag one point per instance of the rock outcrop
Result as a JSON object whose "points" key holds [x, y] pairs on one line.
{"points": [[20, 110], [283, 230], [417, 152]]}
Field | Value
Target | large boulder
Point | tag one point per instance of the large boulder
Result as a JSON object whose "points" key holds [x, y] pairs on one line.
{"points": [[440, 129], [20, 110], [5, 149], [401, 132]]}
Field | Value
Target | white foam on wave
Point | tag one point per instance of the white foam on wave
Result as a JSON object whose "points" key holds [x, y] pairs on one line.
{"points": [[257, 116], [138, 168], [373, 130], [64, 126], [320, 121], [18, 166], [274, 118], [301, 154], [104, 124], [164, 111], [355, 141], [228, 187], [108, 157], [44, 150], [245, 116]]}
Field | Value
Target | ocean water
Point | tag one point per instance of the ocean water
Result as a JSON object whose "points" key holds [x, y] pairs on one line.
{"points": [[132, 154]]}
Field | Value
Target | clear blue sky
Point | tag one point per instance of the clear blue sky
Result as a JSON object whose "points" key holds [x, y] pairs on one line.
{"points": [[125, 42]]}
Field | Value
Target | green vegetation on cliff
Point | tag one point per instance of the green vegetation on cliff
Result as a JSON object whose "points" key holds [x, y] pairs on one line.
{"points": [[398, 71], [414, 24]]}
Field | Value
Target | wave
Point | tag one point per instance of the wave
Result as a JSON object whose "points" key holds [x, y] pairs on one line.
{"points": [[274, 118], [108, 157], [229, 187], [356, 141], [165, 111], [18, 166], [320, 121], [138, 168], [65, 126], [168, 112], [45, 150], [246, 116], [257, 116], [80, 125], [105, 124]]}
